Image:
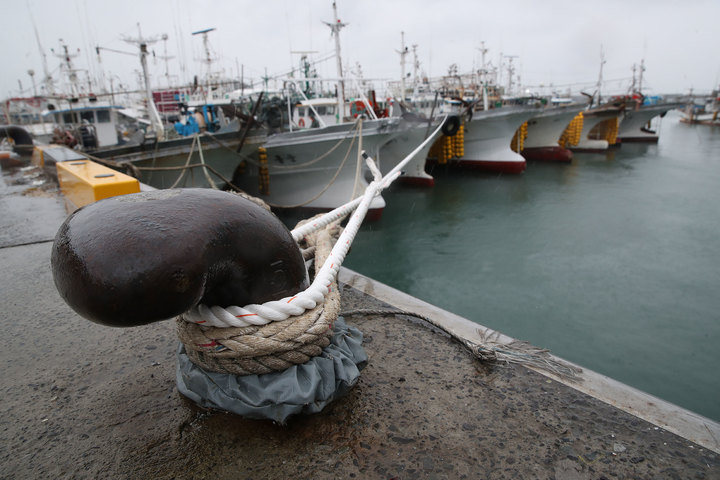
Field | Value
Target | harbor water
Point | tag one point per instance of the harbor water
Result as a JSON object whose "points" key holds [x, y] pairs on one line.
{"points": [[611, 262]]}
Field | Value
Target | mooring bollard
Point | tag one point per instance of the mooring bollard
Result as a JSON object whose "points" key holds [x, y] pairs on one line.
{"points": [[136, 259]]}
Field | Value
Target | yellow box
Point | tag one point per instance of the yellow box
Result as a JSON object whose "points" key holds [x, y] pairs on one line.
{"points": [[84, 182]]}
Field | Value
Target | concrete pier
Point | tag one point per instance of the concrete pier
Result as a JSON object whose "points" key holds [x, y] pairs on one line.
{"points": [[85, 401]]}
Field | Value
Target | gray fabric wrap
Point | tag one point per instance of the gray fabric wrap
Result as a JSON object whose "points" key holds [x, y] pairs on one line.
{"points": [[305, 388]]}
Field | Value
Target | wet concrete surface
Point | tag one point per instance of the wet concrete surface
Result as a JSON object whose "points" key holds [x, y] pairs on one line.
{"points": [[31, 209], [80, 400]]}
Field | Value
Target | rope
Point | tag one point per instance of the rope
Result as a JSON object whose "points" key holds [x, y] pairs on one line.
{"points": [[279, 310], [273, 347], [187, 162], [490, 348], [205, 170]]}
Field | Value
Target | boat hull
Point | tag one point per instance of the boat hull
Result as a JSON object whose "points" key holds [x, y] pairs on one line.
{"points": [[397, 148], [632, 127], [591, 119], [544, 131], [488, 137], [317, 170], [556, 154]]}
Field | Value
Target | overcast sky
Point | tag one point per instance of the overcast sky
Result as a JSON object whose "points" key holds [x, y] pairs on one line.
{"points": [[555, 42]]}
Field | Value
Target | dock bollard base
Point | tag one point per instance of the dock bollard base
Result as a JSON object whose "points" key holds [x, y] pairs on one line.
{"points": [[305, 388]]}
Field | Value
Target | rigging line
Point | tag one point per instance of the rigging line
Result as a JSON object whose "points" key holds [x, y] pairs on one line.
{"points": [[332, 181], [321, 157]]}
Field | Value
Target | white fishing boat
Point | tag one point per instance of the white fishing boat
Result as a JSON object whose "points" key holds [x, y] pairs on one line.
{"points": [[544, 131], [703, 111], [636, 119]]}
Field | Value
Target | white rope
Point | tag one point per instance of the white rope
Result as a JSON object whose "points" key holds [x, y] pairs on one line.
{"points": [[314, 295]]}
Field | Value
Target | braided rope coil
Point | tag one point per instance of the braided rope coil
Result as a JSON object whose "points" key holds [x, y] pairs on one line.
{"points": [[276, 346]]}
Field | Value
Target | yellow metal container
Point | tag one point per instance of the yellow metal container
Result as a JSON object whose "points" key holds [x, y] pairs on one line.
{"points": [[84, 182]]}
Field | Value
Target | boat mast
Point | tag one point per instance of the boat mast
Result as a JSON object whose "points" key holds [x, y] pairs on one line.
{"points": [[511, 72], [416, 66], [483, 65], [403, 53], [642, 69], [152, 109], [484, 77], [335, 28], [47, 80], [208, 60], [67, 57], [599, 84]]}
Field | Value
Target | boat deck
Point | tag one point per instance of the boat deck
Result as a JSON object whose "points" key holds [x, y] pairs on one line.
{"points": [[85, 401]]}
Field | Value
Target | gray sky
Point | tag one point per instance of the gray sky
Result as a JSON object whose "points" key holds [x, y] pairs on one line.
{"points": [[555, 41]]}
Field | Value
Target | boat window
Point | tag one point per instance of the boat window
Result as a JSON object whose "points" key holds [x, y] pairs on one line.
{"points": [[103, 116], [301, 111], [68, 117], [321, 109], [87, 115]]}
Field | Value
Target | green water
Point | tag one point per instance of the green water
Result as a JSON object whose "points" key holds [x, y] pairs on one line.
{"points": [[612, 262]]}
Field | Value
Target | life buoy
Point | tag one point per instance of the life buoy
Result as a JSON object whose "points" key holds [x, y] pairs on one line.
{"points": [[451, 126], [357, 108], [301, 123]]}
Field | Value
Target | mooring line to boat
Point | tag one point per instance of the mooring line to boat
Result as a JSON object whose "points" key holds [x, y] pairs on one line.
{"points": [[358, 163], [187, 162], [314, 295], [191, 166], [202, 161]]}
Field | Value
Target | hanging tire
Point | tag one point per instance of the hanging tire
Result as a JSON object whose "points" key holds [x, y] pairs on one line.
{"points": [[451, 126]]}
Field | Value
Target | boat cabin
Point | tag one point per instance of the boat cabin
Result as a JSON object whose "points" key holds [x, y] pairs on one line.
{"points": [[99, 121]]}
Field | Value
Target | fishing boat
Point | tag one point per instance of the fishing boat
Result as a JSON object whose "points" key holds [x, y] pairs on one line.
{"points": [[544, 130], [27, 113], [635, 121], [703, 111]]}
